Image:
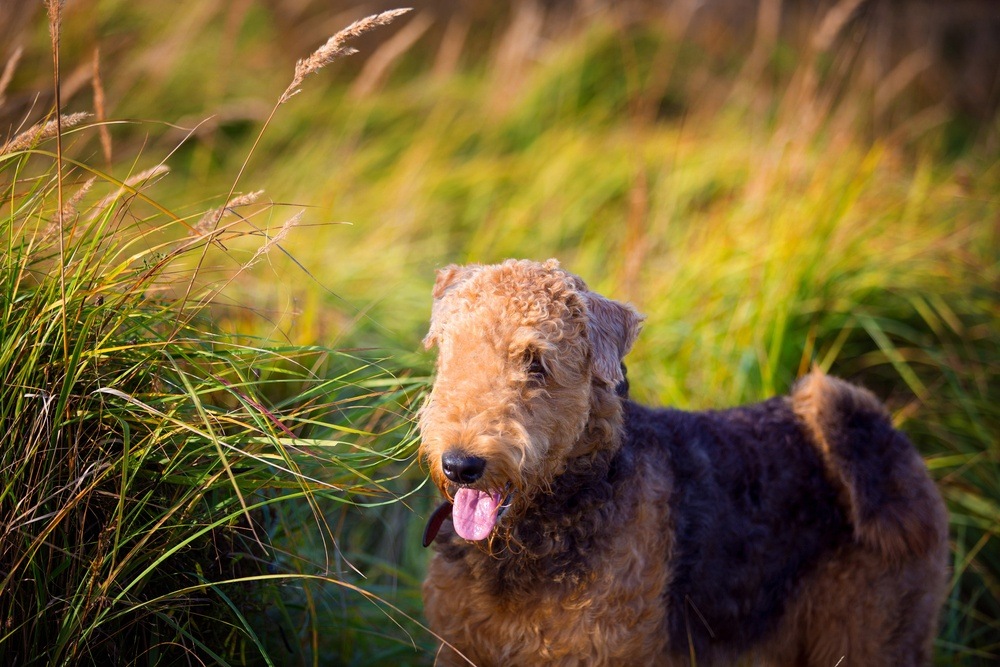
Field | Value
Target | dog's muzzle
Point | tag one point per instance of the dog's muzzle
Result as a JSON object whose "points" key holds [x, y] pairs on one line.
{"points": [[461, 468]]}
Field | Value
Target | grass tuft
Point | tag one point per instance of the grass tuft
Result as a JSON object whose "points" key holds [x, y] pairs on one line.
{"points": [[149, 453], [142, 463]]}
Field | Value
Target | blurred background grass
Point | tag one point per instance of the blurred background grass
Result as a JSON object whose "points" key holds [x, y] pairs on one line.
{"points": [[775, 184]]}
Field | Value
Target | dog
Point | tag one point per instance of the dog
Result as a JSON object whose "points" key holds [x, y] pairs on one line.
{"points": [[582, 528]]}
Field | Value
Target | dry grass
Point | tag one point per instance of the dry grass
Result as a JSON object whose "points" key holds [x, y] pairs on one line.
{"points": [[210, 221], [336, 48], [39, 132]]}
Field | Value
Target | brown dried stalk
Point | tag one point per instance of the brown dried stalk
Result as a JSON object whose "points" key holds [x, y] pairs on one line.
{"points": [[210, 220], [336, 48], [379, 64], [8, 71], [99, 107], [41, 131], [274, 240], [70, 209], [833, 22], [130, 182]]}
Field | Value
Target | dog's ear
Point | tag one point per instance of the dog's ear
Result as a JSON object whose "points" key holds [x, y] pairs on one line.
{"points": [[450, 276], [612, 328], [447, 279]]}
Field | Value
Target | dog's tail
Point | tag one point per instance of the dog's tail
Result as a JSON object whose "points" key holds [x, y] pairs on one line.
{"points": [[891, 501]]}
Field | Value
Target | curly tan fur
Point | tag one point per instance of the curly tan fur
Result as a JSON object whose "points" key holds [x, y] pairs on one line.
{"points": [[799, 531]]}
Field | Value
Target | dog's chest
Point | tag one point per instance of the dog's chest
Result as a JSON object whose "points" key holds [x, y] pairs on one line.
{"points": [[596, 617], [587, 588]]}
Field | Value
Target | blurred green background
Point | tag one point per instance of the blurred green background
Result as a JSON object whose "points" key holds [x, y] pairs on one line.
{"points": [[775, 184]]}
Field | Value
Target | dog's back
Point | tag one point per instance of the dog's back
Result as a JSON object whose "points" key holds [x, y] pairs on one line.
{"points": [[893, 505], [751, 513], [772, 503]]}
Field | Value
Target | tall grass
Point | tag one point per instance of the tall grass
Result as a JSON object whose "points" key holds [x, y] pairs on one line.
{"points": [[767, 213], [145, 450], [147, 453]]}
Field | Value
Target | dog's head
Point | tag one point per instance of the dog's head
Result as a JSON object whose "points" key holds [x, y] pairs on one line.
{"points": [[527, 357]]}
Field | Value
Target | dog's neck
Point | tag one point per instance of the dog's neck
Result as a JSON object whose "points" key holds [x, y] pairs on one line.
{"points": [[552, 542], [550, 537]]}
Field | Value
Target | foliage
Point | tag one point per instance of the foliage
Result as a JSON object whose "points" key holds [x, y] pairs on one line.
{"points": [[765, 220], [144, 448]]}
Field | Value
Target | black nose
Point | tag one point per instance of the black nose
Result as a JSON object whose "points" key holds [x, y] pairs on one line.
{"points": [[461, 468]]}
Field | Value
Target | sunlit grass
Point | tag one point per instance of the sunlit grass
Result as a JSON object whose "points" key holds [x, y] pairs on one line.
{"points": [[762, 229], [149, 455], [755, 248], [146, 450]]}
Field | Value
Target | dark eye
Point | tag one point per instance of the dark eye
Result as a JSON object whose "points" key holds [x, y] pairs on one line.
{"points": [[535, 367]]}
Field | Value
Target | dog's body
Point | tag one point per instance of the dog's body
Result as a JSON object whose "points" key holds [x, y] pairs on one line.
{"points": [[800, 531]]}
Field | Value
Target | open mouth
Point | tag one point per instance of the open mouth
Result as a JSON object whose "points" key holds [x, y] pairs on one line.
{"points": [[474, 513]]}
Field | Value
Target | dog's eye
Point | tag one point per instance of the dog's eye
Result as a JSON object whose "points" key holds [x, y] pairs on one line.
{"points": [[535, 367]]}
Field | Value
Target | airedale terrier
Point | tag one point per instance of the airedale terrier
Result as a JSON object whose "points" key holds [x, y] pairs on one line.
{"points": [[585, 529]]}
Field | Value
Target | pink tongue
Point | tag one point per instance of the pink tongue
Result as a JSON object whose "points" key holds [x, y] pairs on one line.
{"points": [[475, 513]]}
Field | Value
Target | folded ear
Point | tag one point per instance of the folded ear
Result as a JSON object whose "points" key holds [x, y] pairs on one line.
{"points": [[451, 275], [447, 279], [612, 328]]}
